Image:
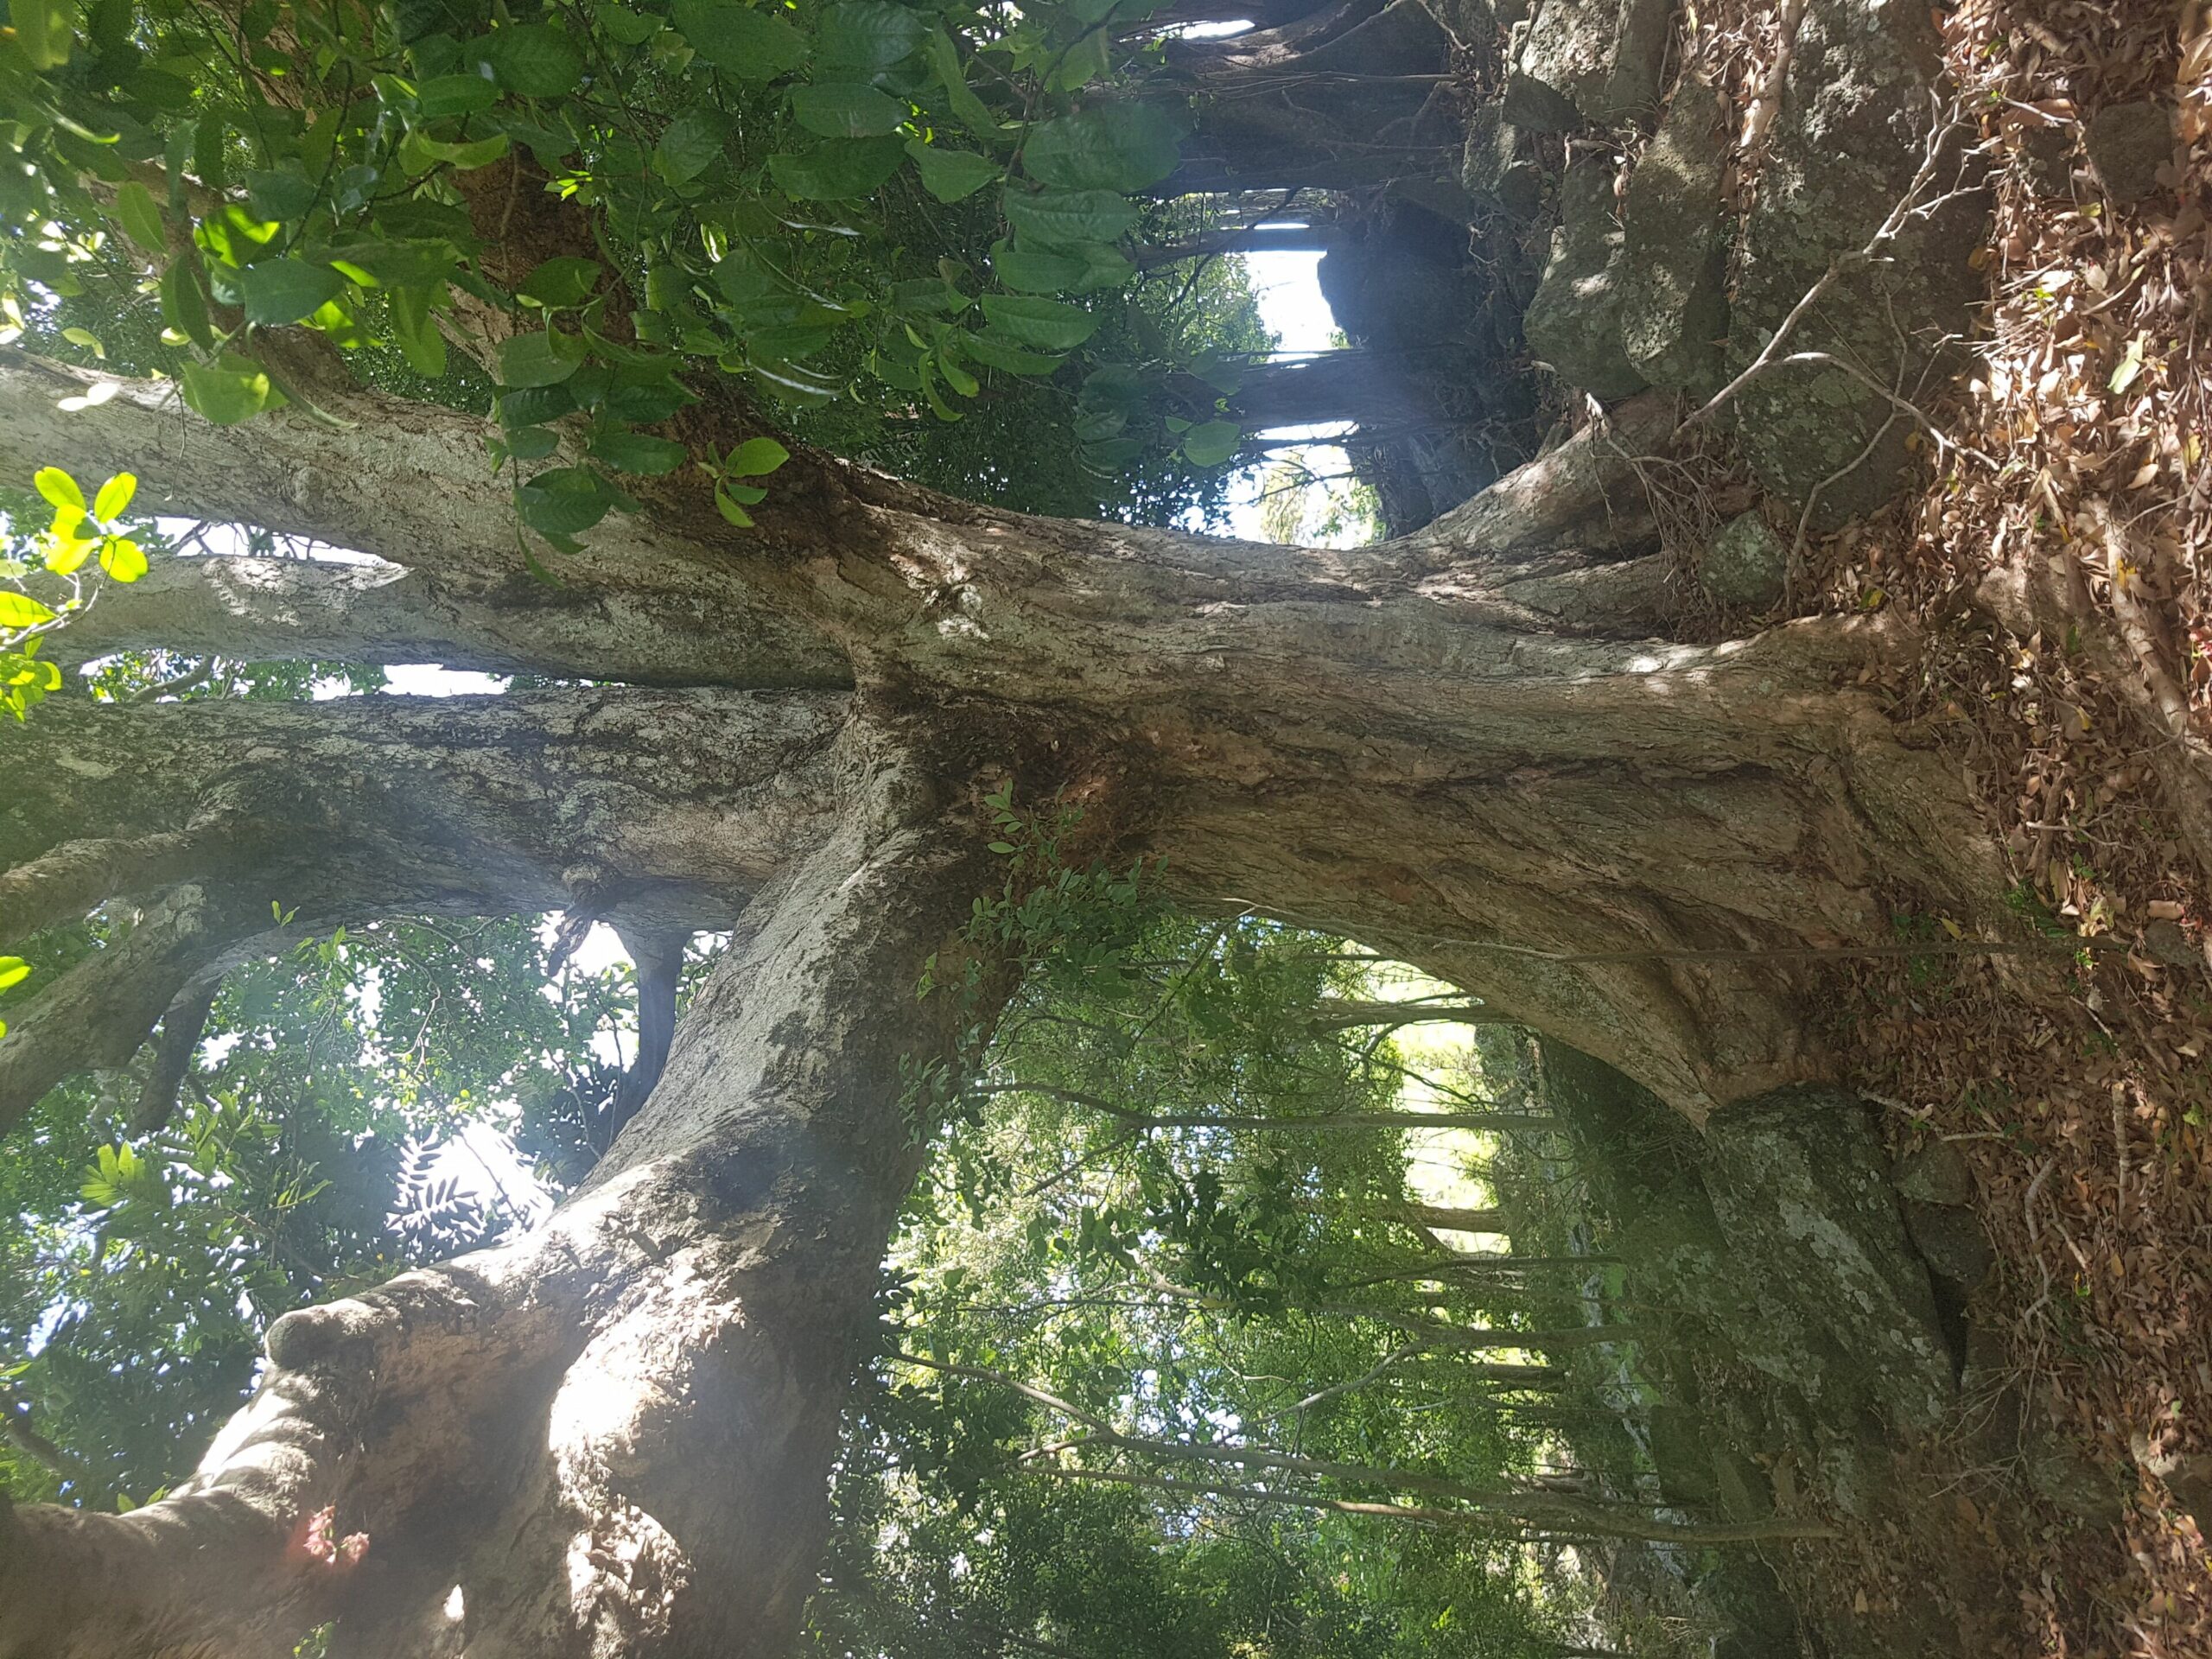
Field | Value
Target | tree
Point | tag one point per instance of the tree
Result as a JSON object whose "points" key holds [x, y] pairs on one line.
{"points": [[789, 696]]}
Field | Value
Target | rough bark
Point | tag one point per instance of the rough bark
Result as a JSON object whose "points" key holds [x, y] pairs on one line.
{"points": [[259, 609], [611, 1436]]}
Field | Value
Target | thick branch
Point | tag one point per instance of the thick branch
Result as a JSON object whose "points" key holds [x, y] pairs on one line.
{"points": [[657, 957], [589, 627], [181, 1028], [670, 803], [63, 884], [95, 1014], [671, 809], [409, 484]]}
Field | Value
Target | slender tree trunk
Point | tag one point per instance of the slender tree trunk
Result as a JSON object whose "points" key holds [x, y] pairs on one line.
{"points": [[1344, 98], [1371, 389], [1248, 238]]}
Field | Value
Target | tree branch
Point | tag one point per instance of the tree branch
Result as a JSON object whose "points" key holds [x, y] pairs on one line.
{"points": [[674, 808], [95, 1015], [181, 1027]]}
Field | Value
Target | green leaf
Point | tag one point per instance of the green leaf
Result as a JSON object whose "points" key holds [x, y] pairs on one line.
{"points": [[141, 217], [746, 44], [65, 552], [121, 559], [1085, 269], [847, 110], [840, 169], [636, 452], [14, 970], [416, 329], [449, 95], [423, 262], [281, 195], [1068, 219], [534, 405], [998, 354], [477, 152], [689, 146], [730, 510], [1108, 147], [43, 32], [1084, 62], [647, 401], [1212, 443], [790, 384], [232, 391], [1031, 272], [956, 377], [951, 175], [944, 65], [563, 501], [867, 37], [21, 610], [627, 27], [58, 488], [563, 282], [1048, 325], [532, 359], [755, 458], [278, 291], [184, 307], [114, 496], [532, 60], [2123, 376]]}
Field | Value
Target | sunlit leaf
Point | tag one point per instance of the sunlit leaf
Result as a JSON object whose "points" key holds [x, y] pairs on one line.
{"points": [[114, 496]]}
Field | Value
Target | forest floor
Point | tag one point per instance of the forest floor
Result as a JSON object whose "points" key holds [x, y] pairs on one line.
{"points": [[2079, 1087]]}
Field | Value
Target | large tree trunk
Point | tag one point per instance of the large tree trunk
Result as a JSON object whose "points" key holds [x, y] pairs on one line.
{"points": [[1468, 747], [612, 1436]]}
